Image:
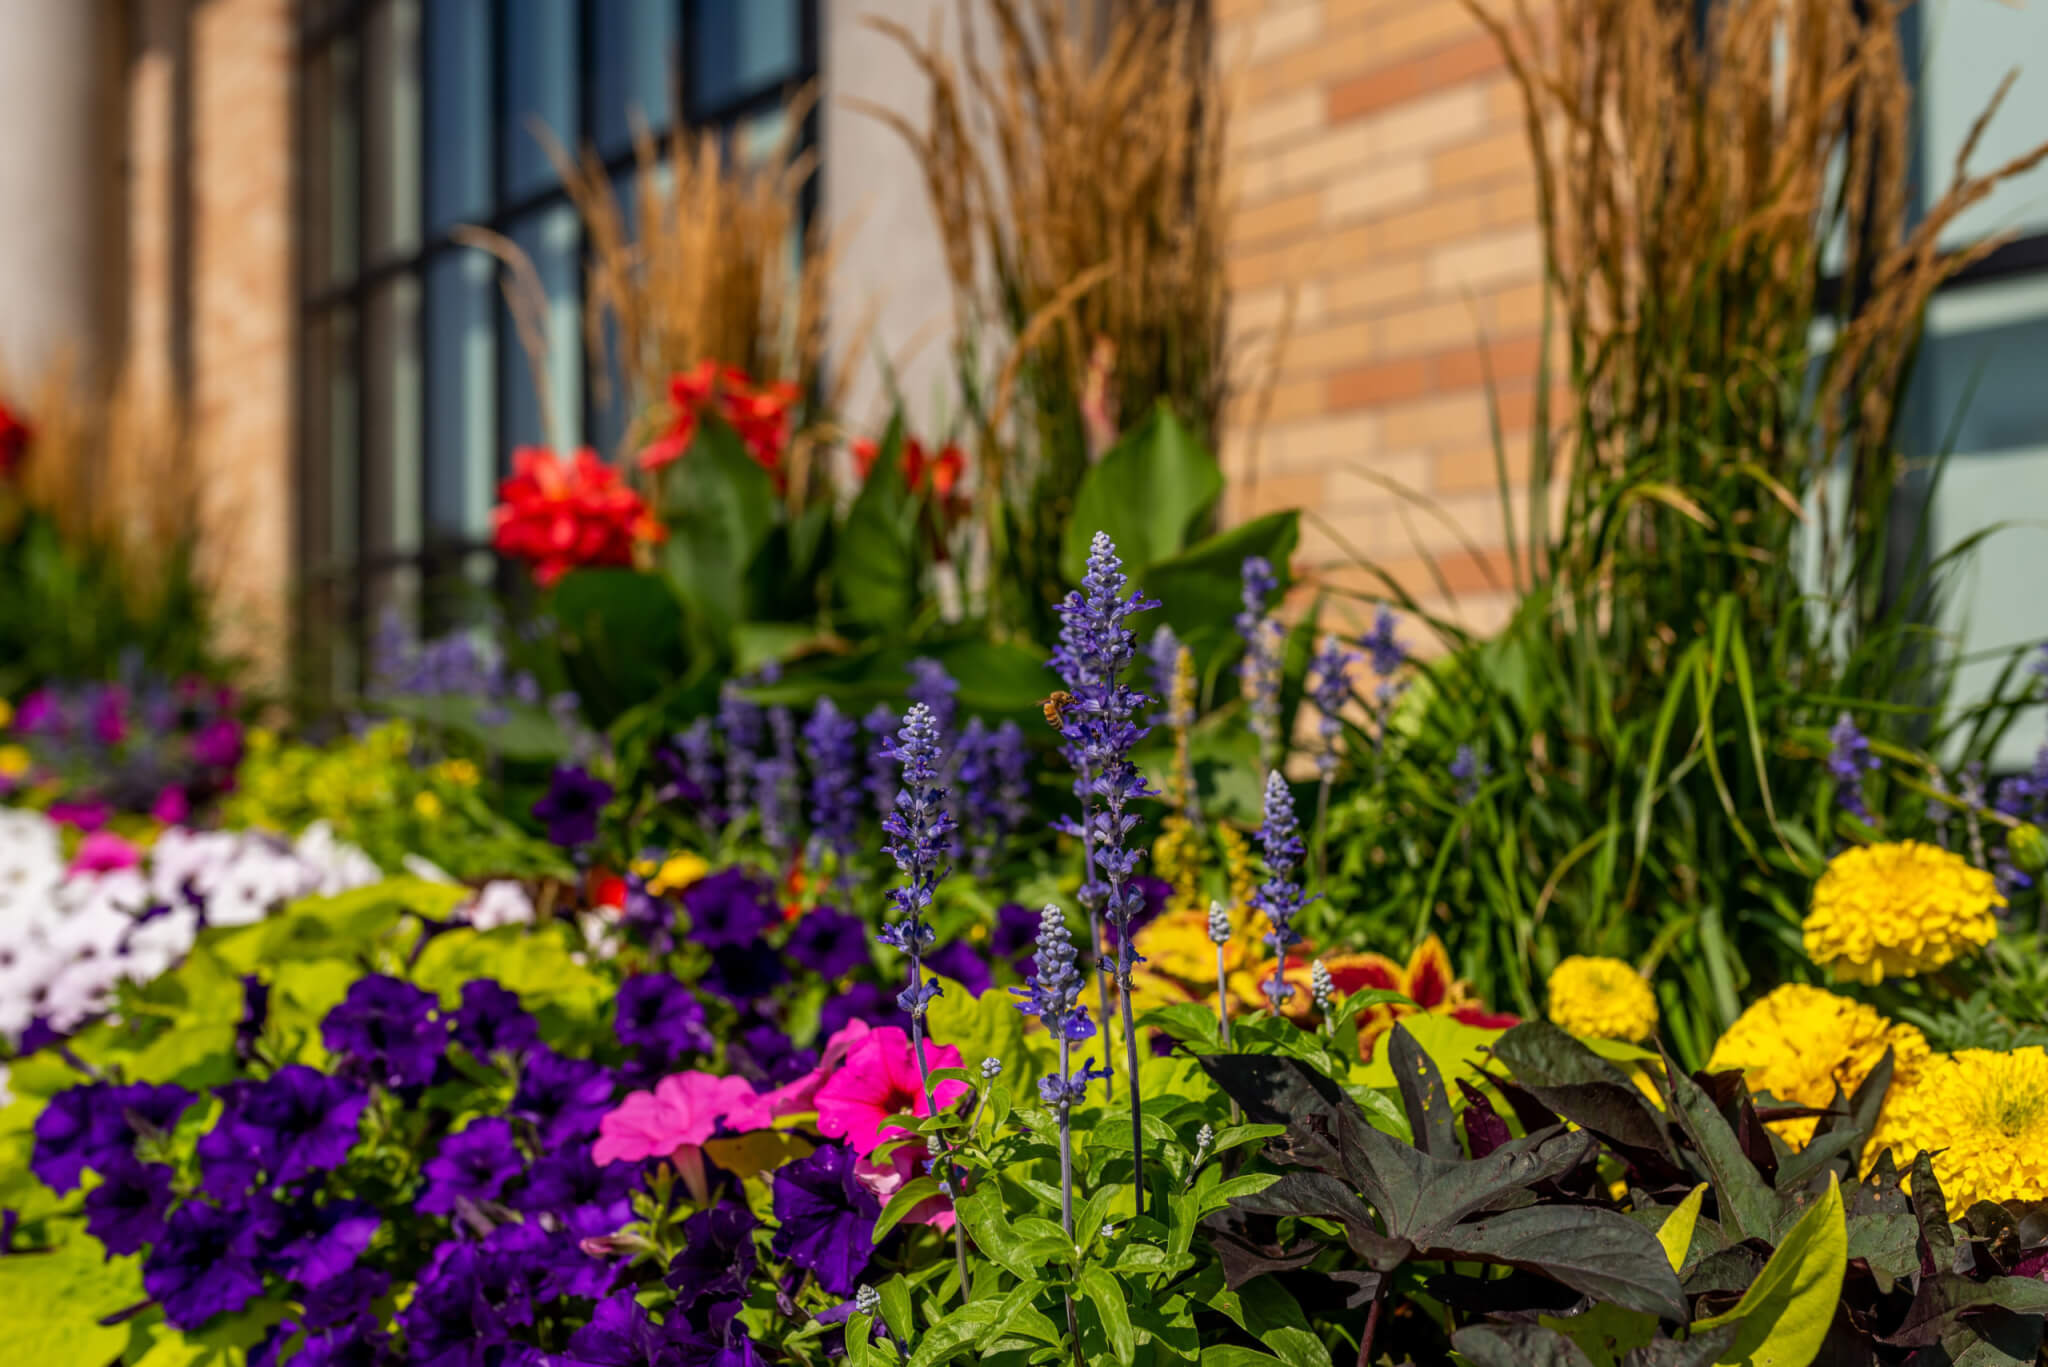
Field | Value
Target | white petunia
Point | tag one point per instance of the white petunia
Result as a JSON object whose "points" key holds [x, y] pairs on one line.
{"points": [[500, 902]]}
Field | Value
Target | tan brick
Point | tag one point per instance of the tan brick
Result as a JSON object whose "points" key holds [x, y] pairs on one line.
{"points": [[1433, 121], [1379, 187], [1484, 159], [1398, 82], [1439, 219], [1430, 327], [1322, 442], [1271, 493], [1467, 469], [1283, 27], [1519, 307], [1438, 419], [1318, 158], [1330, 347], [1277, 218], [1249, 270], [1481, 262], [1496, 360], [1276, 120], [1385, 479], [1297, 399], [1375, 284], [1313, 65], [1423, 24], [1383, 382], [1512, 204]]}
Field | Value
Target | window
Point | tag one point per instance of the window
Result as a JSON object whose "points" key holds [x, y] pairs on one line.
{"points": [[418, 117], [1975, 394]]}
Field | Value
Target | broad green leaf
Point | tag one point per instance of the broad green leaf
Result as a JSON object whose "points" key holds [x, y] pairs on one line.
{"points": [[1675, 1234], [1605, 1333], [1150, 492], [1102, 1291], [874, 562], [1457, 1049], [1198, 590], [987, 1026], [905, 1200], [1232, 1355], [538, 963], [620, 633], [1785, 1314], [896, 1312], [956, 1332], [54, 1303]]}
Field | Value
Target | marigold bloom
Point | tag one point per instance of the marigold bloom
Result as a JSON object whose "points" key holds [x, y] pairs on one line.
{"points": [[1984, 1116], [1897, 910], [1800, 1043], [564, 515], [1601, 999]]}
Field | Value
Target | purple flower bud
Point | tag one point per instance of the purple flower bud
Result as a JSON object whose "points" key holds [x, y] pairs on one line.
{"points": [[1280, 896], [832, 744], [1848, 761]]}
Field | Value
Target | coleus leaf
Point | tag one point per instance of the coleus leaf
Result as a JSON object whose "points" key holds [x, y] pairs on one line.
{"points": [[1748, 1206], [1517, 1345], [1562, 1075], [1423, 1096]]}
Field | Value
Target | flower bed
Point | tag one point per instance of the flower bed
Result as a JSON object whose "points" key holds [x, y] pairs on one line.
{"points": [[724, 1106]]}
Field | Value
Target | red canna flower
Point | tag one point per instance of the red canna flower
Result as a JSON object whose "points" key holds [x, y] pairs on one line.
{"points": [[563, 515], [1426, 979], [759, 414], [14, 439], [942, 472]]}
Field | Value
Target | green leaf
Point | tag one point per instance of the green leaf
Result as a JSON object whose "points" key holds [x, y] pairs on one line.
{"points": [[1231, 1355], [1151, 492], [895, 1295], [1675, 1234], [955, 1332], [1748, 1205], [620, 634], [992, 1235], [985, 1026], [1785, 1314], [1198, 589], [55, 1302], [1275, 1319], [874, 564], [902, 1203], [719, 506], [1102, 1291]]}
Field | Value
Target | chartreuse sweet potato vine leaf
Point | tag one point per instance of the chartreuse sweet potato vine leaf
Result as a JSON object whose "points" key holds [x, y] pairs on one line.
{"points": [[1785, 1314]]}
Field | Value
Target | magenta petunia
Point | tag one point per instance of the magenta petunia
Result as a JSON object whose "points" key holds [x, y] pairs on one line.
{"points": [[680, 1113], [879, 1081]]}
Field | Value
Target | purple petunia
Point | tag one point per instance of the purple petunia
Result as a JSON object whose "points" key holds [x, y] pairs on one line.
{"points": [[491, 1021], [745, 973], [388, 1031], [474, 1164], [863, 1001], [563, 1098], [203, 1266], [828, 943], [718, 1256], [126, 1210], [566, 1180], [570, 808], [962, 963], [730, 907], [295, 1123], [659, 1020], [93, 1125], [826, 1217], [314, 1242]]}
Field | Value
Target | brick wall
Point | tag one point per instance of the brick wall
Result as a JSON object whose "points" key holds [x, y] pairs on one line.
{"points": [[1383, 181], [210, 300]]}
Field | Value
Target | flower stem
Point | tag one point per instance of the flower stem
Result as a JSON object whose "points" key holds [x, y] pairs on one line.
{"points": [[1372, 1325], [1222, 999], [1323, 831]]}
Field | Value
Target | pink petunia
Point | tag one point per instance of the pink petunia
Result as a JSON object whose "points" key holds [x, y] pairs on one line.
{"points": [[879, 1080], [680, 1113], [884, 1177], [104, 852], [802, 1093]]}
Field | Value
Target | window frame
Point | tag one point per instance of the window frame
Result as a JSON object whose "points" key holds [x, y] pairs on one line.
{"points": [[347, 583]]}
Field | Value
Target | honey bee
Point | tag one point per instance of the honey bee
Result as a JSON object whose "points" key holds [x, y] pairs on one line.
{"points": [[1053, 705]]}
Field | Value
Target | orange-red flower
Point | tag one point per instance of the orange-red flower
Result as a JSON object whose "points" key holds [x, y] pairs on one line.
{"points": [[943, 471], [760, 415], [14, 439], [562, 515], [1426, 980]]}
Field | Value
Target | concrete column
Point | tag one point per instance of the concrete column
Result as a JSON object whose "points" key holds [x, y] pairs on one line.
{"points": [[889, 256], [56, 110]]}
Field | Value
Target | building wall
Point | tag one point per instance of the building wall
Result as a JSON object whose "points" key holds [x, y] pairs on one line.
{"points": [[1384, 185]]}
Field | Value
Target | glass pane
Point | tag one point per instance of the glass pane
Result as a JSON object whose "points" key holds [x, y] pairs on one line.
{"points": [[458, 89], [1975, 396], [742, 47], [462, 353], [549, 239], [391, 130], [611, 402], [1966, 47], [540, 89], [633, 68], [391, 420], [332, 150]]}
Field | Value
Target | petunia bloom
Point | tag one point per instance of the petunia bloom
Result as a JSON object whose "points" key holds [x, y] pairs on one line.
{"points": [[879, 1081], [202, 1266], [388, 1031], [473, 1165], [672, 1120], [827, 1217]]}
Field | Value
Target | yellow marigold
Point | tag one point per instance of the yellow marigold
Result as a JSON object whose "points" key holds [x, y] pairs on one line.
{"points": [[673, 874], [1601, 999], [1984, 1116], [427, 805], [460, 772], [1898, 910], [14, 761], [1800, 1043], [6, 714]]}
